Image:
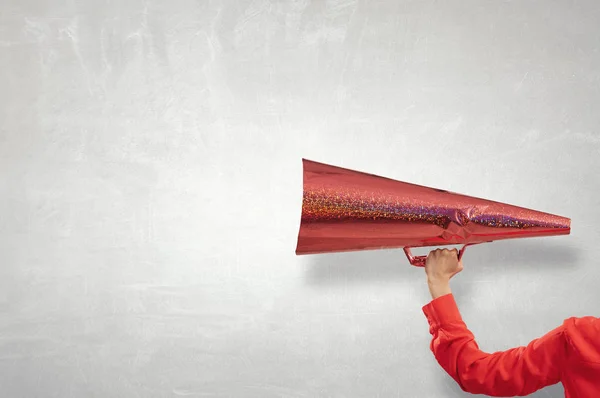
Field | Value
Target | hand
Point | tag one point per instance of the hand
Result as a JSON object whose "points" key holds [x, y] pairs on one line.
{"points": [[442, 264]]}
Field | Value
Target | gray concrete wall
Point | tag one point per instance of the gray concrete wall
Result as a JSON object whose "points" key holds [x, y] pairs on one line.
{"points": [[151, 183]]}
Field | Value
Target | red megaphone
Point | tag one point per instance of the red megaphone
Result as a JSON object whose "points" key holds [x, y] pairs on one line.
{"points": [[346, 210]]}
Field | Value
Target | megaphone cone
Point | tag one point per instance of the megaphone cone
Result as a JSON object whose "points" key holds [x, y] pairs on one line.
{"points": [[345, 210]]}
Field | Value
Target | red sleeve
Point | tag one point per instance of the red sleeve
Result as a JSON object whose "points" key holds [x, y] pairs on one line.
{"points": [[515, 372]]}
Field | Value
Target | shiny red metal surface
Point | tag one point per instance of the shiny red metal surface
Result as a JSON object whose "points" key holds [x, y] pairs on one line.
{"points": [[347, 210]]}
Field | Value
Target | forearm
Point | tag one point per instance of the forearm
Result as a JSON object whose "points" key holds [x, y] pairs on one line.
{"points": [[438, 287]]}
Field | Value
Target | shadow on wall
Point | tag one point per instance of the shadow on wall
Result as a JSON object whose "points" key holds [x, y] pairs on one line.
{"points": [[555, 391], [391, 265], [369, 266], [453, 390], [532, 253]]}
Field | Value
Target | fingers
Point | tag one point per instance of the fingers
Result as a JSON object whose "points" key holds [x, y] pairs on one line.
{"points": [[444, 251]]}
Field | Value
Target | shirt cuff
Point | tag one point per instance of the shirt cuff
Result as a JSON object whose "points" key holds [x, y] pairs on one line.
{"points": [[442, 311]]}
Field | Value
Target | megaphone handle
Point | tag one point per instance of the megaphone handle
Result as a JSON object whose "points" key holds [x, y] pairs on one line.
{"points": [[419, 261]]}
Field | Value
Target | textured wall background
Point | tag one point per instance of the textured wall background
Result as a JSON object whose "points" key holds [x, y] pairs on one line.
{"points": [[151, 183]]}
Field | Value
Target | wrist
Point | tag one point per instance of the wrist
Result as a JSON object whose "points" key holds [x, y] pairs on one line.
{"points": [[438, 279], [438, 287]]}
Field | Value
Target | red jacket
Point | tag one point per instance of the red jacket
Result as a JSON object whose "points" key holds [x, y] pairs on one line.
{"points": [[569, 354]]}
